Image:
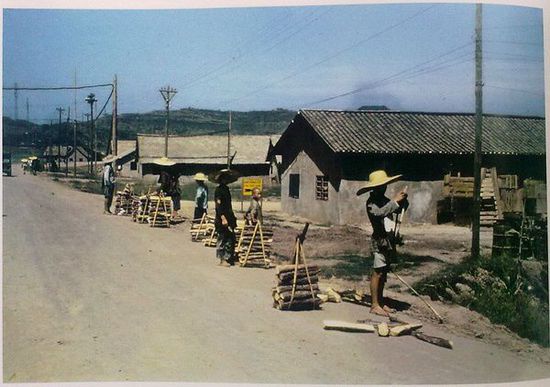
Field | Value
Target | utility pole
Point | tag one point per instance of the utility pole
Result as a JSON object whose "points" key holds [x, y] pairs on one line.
{"points": [[478, 134], [16, 108], [114, 146], [167, 93], [74, 148], [229, 142], [66, 142], [60, 110], [87, 115], [91, 100]]}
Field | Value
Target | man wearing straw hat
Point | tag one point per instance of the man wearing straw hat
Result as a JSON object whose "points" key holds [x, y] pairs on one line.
{"points": [[225, 221], [383, 248], [201, 197], [108, 184]]}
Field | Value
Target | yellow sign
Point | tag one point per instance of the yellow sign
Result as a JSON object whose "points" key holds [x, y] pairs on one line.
{"points": [[249, 183]]}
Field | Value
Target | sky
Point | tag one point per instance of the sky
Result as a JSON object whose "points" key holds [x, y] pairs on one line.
{"points": [[409, 57]]}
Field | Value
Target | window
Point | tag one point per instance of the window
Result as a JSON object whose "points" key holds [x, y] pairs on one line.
{"points": [[133, 166], [71, 159], [294, 185], [321, 187], [81, 159]]}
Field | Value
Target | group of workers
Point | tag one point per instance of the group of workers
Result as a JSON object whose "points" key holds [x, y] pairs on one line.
{"points": [[379, 207], [225, 221]]}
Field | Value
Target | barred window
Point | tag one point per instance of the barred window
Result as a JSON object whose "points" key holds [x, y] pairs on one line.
{"points": [[321, 187], [294, 185]]}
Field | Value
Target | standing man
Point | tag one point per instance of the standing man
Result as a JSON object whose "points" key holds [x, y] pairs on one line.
{"points": [[201, 197], [383, 247], [225, 221], [108, 184]]}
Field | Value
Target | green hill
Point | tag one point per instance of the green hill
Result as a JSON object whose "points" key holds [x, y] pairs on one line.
{"points": [[188, 121], [191, 121]]}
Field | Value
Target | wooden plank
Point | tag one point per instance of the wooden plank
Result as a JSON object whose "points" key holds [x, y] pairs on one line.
{"points": [[347, 326]]}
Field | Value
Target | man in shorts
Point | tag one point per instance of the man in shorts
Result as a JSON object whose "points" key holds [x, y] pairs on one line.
{"points": [[383, 247]]}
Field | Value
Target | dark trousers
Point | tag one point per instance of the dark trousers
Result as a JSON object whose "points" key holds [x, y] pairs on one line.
{"points": [[225, 245], [199, 212]]}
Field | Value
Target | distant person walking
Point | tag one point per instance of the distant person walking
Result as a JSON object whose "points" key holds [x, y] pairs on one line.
{"points": [[225, 221], [108, 184], [201, 196], [382, 245]]}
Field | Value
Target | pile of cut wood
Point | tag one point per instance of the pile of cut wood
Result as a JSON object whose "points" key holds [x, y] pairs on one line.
{"points": [[140, 209], [297, 287], [160, 211], [202, 228], [254, 245], [124, 200], [393, 328]]}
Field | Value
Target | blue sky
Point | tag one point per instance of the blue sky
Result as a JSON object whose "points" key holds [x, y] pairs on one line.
{"points": [[415, 57]]}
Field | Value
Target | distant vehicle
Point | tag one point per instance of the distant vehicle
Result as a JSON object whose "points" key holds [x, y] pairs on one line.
{"points": [[6, 163]]}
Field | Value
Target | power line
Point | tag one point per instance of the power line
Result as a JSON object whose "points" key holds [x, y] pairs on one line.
{"points": [[326, 59], [514, 42], [541, 94], [392, 78], [284, 39], [59, 88]]}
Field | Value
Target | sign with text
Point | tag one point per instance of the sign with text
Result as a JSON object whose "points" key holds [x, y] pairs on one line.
{"points": [[249, 183]]}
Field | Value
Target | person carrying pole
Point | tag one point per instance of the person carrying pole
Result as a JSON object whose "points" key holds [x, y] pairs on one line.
{"points": [[225, 221], [382, 246]]}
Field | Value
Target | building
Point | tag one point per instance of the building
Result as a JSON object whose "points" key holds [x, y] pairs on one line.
{"points": [[67, 154], [192, 154], [326, 156]]}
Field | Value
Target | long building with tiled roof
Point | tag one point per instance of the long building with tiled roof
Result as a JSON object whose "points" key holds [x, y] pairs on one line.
{"points": [[327, 154]]}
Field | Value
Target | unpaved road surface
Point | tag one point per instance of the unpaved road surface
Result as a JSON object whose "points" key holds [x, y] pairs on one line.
{"points": [[89, 297]]}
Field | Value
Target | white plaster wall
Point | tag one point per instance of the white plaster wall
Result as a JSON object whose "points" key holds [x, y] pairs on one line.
{"points": [[325, 212]]}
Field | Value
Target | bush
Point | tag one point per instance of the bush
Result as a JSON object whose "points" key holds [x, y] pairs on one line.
{"points": [[500, 293]]}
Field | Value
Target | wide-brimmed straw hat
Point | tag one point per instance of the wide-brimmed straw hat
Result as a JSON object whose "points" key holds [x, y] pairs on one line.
{"points": [[108, 159], [199, 176], [164, 161], [225, 175], [33, 158], [377, 179]]}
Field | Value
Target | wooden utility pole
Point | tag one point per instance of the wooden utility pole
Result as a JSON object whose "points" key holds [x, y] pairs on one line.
{"points": [[478, 135], [74, 128], [167, 93], [66, 142], [16, 108], [229, 142], [74, 149], [114, 145], [60, 110], [91, 100]]}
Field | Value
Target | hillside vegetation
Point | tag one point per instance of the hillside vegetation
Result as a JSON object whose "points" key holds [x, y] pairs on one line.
{"points": [[188, 121]]}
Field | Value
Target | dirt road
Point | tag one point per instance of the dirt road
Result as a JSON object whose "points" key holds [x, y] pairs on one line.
{"points": [[89, 297]]}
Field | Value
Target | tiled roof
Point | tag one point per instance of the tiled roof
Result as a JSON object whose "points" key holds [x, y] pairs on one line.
{"points": [[406, 132], [206, 149]]}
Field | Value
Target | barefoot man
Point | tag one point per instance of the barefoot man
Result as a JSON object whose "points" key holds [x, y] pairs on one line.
{"points": [[379, 207]]}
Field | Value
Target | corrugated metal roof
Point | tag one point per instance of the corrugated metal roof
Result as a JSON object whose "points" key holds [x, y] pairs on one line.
{"points": [[206, 149], [412, 132]]}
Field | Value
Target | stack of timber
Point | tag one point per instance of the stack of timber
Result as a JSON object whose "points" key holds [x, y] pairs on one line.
{"points": [[490, 198], [202, 228], [124, 200], [297, 287], [458, 186], [140, 209], [254, 245], [160, 211], [211, 238]]}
